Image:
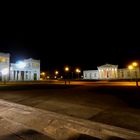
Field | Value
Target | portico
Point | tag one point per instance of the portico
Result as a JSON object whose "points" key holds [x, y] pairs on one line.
{"points": [[108, 71], [28, 69]]}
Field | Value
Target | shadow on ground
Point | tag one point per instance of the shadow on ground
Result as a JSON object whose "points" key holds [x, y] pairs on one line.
{"points": [[130, 95], [86, 137], [26, 135], [35, 86]]}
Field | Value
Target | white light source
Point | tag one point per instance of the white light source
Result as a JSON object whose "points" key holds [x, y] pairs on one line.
{"points": [[5, 71], [21, 64]]}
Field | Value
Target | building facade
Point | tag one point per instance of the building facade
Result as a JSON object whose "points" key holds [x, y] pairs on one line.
{"points": [[109, 71], [25, 70]]}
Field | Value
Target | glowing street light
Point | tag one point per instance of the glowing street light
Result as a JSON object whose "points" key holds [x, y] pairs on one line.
{"points": [[134, 65], [130, 67], [78, 71], [43, 74], [66, 68], [56, 72]]}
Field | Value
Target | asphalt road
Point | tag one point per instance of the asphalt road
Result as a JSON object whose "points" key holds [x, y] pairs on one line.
{"points": [[77, 82]]}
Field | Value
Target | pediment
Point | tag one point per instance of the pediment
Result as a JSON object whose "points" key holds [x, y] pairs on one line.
{"points": [[108, 66]]}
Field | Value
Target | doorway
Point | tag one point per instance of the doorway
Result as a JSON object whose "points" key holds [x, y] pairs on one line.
{"points": [[0, 76], [35, 76]]}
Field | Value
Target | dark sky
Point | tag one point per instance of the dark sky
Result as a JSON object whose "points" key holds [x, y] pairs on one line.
{"points": [[78, 37]]}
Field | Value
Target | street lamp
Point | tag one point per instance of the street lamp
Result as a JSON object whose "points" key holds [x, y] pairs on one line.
{"points": [[56, 73], [67, 70], [43, 74], [134, 65], [78, 71]]}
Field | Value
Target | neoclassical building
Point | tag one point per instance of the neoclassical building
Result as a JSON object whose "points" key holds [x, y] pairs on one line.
{"points": [[25, 70], [109, 71]]}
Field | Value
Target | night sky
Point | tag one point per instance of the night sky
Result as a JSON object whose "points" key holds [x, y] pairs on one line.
{"points": [[84, 38]]}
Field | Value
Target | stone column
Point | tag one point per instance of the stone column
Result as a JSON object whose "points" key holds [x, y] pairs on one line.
{"points": [[29, 75], [15, 78], [12, 75], [38, 75], [19, 75], [25, 76], [32, 75]]}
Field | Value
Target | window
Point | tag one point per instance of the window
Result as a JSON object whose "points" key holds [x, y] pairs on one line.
{"points": [[3, 59], [35, 65]]}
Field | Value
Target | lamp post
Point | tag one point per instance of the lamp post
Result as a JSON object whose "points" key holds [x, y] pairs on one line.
{"points": [[78, 71], [66, 70], [56, 73], [43, 74], [135, 65]]}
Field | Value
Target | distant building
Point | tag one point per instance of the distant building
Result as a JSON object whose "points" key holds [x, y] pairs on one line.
{"points": [[26, 70], [109, 71]]}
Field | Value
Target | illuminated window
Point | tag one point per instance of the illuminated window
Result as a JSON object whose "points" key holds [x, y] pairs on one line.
{"points": [[3, 59], [35, 65]]}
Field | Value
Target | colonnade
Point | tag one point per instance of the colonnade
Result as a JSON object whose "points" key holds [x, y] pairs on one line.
{"points": [[17, 75]]}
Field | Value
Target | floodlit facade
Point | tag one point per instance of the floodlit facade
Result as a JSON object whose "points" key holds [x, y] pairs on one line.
{"points": [[25, 70], [109, 71]]}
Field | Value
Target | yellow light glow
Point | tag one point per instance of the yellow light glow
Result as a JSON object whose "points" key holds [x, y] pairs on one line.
{"points": [[134, 64], [77, 70], [66, 68], [130, 67], [43, 73], [56, 72]]}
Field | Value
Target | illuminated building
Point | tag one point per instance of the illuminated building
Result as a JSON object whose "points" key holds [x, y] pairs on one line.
{"points": [[25, 70], [109, 71]]}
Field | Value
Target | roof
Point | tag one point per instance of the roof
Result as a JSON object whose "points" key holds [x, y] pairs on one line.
{"points": [[107, 65]]}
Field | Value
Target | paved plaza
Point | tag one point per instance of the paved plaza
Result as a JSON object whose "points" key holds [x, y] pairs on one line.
{"points": [[109, 105]]}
